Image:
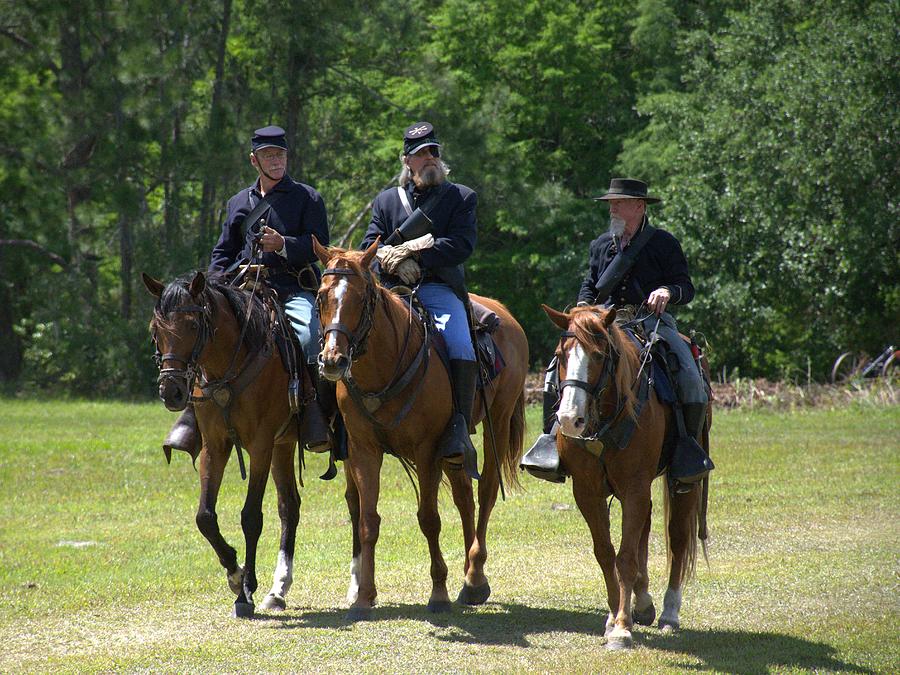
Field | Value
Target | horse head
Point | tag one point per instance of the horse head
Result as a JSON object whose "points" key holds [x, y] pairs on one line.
{"points": [[590, 361], [346, 304], [180, 329]]}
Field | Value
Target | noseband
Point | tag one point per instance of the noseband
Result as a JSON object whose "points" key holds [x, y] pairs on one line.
{"points": [[189, 372], [356, 339]]}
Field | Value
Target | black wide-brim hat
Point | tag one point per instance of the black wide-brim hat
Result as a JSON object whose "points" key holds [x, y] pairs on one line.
{"points": [[627, 188]]}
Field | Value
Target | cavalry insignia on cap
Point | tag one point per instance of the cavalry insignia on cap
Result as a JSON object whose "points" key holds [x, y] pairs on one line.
{"points": [[418, 131]]}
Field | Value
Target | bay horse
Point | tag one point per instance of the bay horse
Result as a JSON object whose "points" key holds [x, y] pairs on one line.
{"points": [[398, 400], [204, 327], [598, 368]]}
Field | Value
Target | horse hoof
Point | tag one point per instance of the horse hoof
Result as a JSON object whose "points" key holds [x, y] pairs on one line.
{"points": [[667, 626], [355, 614], [439, 606], [645, 616], [273, 603], [474, 595], [618, 640], [242, 610]]}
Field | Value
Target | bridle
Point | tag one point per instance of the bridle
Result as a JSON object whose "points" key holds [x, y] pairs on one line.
{"points": [[609, 367], [184, 376], [356, 339], [370, 402]]}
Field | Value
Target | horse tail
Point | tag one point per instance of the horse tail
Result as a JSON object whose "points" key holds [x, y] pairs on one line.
{"points": [[510, 463]]}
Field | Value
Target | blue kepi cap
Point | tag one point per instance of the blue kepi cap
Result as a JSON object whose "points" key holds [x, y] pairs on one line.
{"points": [[268, 137]]}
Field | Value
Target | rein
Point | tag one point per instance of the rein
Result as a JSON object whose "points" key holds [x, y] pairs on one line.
{"points": [[370, 402]]}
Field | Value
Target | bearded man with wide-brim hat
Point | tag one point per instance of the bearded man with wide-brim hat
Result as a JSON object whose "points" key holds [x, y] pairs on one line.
{"points": [[655, 279]]}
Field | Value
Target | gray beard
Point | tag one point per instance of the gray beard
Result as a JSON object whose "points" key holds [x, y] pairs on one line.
{"points": [[616, 226], [429, 177]]}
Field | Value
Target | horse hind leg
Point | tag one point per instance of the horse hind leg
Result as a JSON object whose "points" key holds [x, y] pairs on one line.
{"points": [[464, 499], [644, 611], [430, 524], [681, 510], [289, 514]]}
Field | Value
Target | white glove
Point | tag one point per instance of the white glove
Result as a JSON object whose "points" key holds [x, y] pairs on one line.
{"points": [[409, 271], [390, 257]]}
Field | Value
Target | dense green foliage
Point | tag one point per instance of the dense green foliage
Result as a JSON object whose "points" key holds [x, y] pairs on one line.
{"points": [[770, 129]]}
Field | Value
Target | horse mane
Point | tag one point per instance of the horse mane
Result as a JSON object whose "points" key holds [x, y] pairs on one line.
{"points": [[589, 326], [177, 294]]}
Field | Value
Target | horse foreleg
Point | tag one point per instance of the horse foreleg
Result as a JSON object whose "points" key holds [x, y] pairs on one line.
{"points": [[351, 495], [251, 524], [644, 612], [366, 470], [429, 472], [592, 505], [289, 514], [635, 511], [213, 458], [682, 532]]}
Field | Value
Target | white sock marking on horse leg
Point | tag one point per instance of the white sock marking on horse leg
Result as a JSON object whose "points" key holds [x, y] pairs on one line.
{"points": [[573, 404], [671, 607], [283, 577], [353, 589], [642, 600], [610, 624]]}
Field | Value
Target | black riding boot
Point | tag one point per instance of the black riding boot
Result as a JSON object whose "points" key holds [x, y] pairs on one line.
{"points": [[690, 463], [455, 440], [185, 435], [542, 460], [315, 435]]}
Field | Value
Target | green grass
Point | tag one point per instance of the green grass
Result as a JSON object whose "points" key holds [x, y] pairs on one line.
{"points": [[102, 568]]}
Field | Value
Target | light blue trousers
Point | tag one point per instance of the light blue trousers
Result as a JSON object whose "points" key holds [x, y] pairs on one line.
{"points": [[300, 309], [450, 318]]}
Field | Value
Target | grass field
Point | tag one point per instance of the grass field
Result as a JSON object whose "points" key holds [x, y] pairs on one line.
{"points": [[102, 568]]}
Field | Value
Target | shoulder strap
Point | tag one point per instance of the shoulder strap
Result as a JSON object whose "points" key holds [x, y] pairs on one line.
{"points": [[620, 265], [404, 199]]}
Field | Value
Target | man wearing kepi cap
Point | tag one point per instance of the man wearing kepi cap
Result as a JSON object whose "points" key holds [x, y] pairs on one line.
{"points": [[284, 233], [641, 271], [450, 208]]}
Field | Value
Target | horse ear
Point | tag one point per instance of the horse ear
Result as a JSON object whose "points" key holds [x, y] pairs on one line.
{"points": [[155, 287], [370, 253], [610, 317], [320, 251], [561, 319], [198, 283]]}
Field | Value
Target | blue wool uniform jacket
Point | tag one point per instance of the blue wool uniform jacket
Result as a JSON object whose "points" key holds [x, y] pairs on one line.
{"points": [[455, 231], [297, 214], [660, 263]]}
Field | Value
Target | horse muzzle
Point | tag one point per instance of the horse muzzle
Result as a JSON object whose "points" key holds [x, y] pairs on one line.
{"points": [[334, 367], [174, 390]]}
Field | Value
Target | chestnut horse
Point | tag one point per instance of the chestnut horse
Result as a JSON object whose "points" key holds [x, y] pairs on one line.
{"points": [[205, 327], [371, 331], [598, 368]]}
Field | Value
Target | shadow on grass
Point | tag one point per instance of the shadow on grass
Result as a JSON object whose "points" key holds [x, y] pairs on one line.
{"points": [[511, 625]]}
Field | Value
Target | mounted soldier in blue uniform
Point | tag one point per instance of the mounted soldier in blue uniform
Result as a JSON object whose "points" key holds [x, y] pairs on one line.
{"points": [[446, 211], [278, 216], [631, 266]]}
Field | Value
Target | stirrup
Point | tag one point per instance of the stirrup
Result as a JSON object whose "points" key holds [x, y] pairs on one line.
{"points": [[542, 460], [456, 442]]}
